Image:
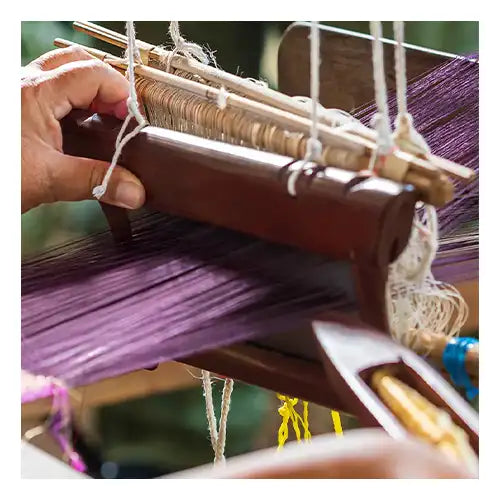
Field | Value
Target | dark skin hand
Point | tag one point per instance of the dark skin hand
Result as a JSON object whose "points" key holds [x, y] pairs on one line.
{"points": [[51, 86]]}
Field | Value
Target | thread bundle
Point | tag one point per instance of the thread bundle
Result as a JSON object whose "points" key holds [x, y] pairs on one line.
{"points": [[91, 310]]}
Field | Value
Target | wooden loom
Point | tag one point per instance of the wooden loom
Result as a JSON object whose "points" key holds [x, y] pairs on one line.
{"points": [[380, 210]]}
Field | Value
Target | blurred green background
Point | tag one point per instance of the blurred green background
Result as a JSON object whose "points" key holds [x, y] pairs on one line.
{"points": [[168, 432]]}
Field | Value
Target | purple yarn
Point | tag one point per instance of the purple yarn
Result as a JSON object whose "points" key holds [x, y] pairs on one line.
{"points": [[445, 109], [92, 310]]}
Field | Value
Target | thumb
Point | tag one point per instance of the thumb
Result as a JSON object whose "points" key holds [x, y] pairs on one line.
{"points": [[73, 179]]}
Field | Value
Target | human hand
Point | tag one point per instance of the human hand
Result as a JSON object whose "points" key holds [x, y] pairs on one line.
{"points": [[51, 86]]}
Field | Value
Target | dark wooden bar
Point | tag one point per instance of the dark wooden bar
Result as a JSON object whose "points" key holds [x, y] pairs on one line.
{"points": [[346, 74], [364, 222]]}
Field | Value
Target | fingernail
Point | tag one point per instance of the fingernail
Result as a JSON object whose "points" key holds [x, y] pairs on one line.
{"points": [[129, 195]]}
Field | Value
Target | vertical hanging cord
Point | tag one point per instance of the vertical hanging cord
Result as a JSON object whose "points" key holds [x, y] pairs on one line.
{"points": [[217, 438], [314, 147], [380, 121], [225, 404], [209, 405], [405, 134], [133, 55]]}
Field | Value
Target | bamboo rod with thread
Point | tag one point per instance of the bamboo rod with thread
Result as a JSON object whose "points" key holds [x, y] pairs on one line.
{"points": [[153, 56], [350, 152]]}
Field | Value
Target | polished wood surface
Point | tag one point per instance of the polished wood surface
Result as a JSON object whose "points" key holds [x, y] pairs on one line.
{"points": [[245, 190], [346, 75], [344, 345]]}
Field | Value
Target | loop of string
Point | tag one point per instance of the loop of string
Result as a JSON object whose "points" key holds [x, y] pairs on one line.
{"points": [[217, 437], [187, 49], [338, 118], [314, 147], [133, 56]]}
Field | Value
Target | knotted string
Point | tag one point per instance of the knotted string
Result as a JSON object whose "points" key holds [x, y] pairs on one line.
{"points": [[405, 135], [190, 50], [314, 147], [133, 56]]}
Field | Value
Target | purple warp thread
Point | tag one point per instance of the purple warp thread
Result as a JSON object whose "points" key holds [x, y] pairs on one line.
{"points": [[445, 108], [92, 310]]}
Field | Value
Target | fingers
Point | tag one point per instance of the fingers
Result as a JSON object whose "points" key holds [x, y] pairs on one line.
{"points": [[119, 109], [56, 58], [73, 178], [78, 84]]}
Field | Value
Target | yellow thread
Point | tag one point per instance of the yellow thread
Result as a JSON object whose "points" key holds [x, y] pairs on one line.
{"points": [[284, 411], [305, 422], [289, 413], [337, 424]]}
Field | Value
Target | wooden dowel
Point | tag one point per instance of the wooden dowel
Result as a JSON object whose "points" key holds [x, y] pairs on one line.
{"points": [[434, 346], [154, 55], [435, 188]]}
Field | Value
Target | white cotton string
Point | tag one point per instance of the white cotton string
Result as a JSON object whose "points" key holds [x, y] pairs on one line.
{"points": [[380, 121], [225, 405], [400, 65], [217, 437], [209, 404], [183, 47], [338, 118], [260, 83], [417, 303], [405, 134], [133, 55], [222, 96], [314, 147]]}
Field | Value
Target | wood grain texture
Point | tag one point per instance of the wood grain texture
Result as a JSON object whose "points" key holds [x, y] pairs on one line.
{"points": [[346, 78]]}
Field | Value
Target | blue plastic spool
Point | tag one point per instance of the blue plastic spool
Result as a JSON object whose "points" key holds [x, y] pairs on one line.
{"points": [[454, 356]]}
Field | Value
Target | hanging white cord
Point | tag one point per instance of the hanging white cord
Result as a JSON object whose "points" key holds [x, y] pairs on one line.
{"points": [[181, 46], [133, 55], [417, 303], [314, 147], [224, 411], [380, 121], [217, 437], [405, 134]]}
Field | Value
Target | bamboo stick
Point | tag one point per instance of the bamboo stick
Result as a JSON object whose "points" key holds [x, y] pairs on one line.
{"points": [[355, 151], [153, 55], [434, 345]]}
